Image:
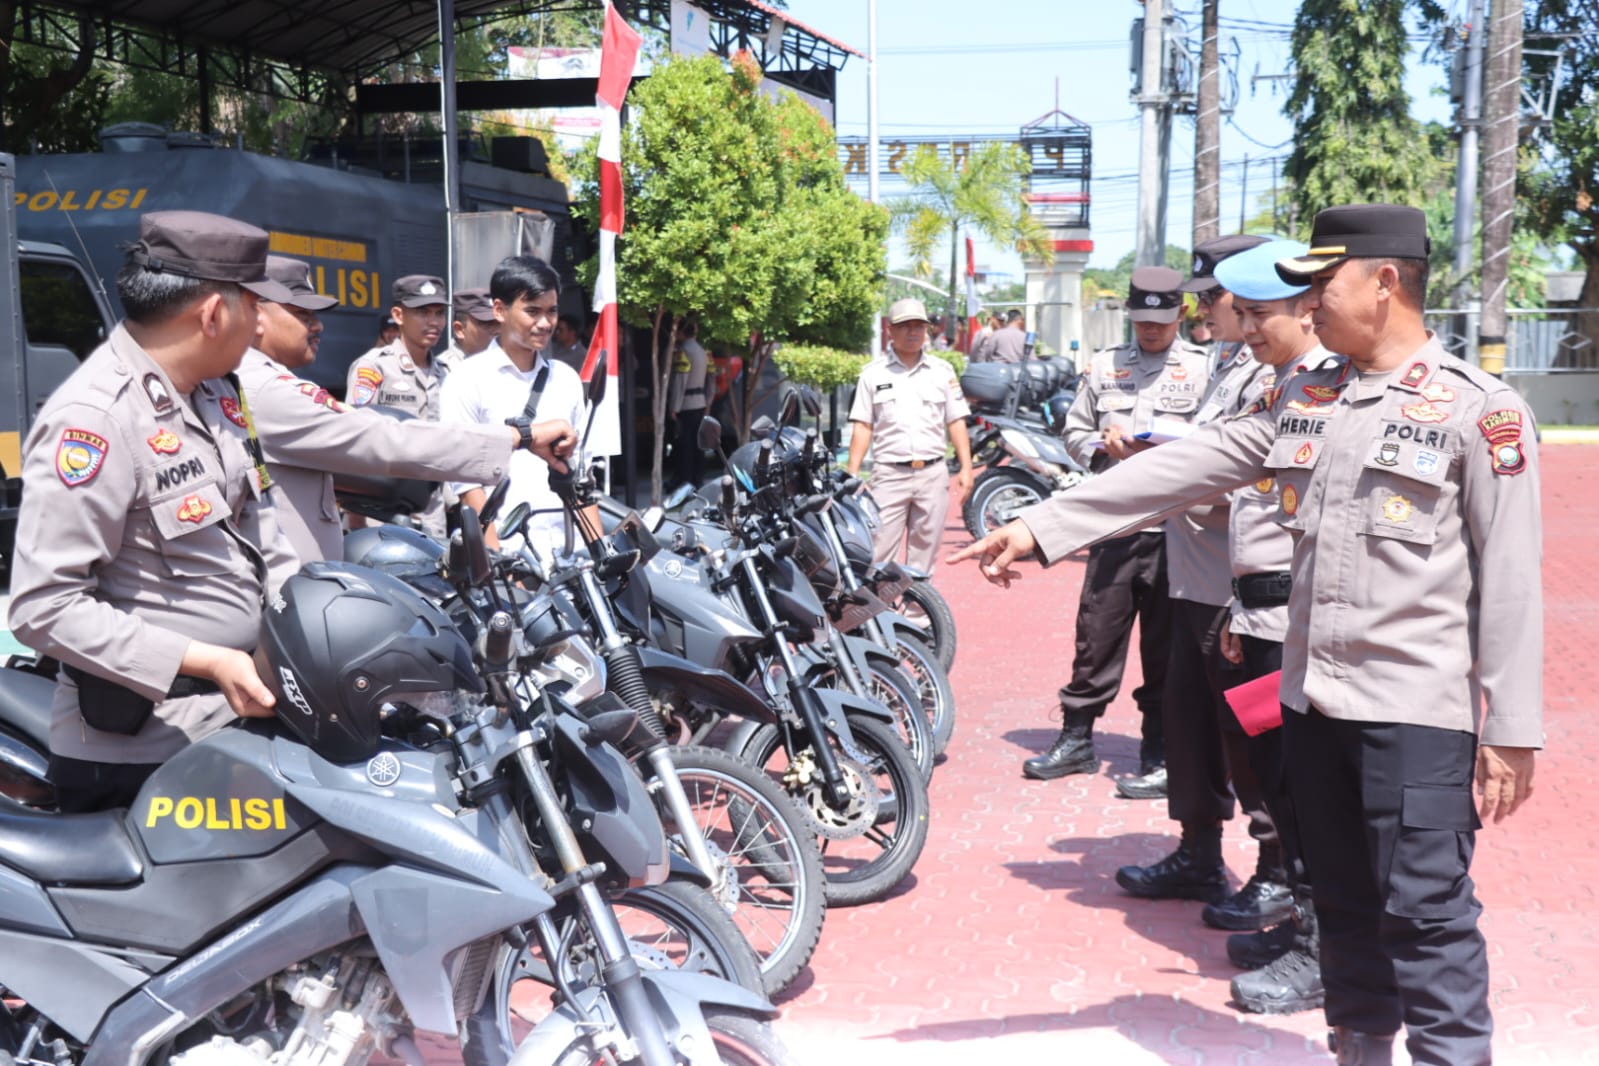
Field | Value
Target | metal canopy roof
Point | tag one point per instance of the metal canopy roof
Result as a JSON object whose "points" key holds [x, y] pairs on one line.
{"points": [[301, 49]]}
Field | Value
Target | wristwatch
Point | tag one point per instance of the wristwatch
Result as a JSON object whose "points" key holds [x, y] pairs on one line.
{"points": [[523, 425]]}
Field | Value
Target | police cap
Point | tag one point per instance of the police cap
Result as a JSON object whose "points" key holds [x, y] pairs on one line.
{"points": [[1208, 253], [1252, 273], [195, 244], [1154, 295], [909, 309], [473, 303], [1359, 231], [295, 276], [419, 290]]}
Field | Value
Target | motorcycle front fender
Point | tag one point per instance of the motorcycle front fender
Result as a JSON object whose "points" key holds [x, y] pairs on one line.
{"points": [[867, 653], [835, 707], [897, 625], [705, 684], [679, 999]]}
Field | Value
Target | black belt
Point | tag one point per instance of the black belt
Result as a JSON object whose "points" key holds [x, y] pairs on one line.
{"points": [[183, 685], [913, 464], [1263, 590]]}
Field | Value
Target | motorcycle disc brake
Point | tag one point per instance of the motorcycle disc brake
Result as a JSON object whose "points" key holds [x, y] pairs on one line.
{"points": [[859, 812]]}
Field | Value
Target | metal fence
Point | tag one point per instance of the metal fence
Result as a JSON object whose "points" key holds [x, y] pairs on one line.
{"points": [[1539, 339]]}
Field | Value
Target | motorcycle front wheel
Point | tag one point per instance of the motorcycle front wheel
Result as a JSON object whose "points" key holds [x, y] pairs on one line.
{"points": [[768, 868], [997, 497], [675, 925], [739, 1039], [927, 609], [870, 844]]}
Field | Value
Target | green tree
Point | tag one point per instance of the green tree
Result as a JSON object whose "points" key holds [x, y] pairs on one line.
{"points": [[737, 214], [1354, 137], [1099, 282], [985, 190], [1559, 185]]}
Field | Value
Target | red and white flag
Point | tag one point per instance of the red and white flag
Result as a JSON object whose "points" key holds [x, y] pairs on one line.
{"points": [[974, 306], [618, 56]]}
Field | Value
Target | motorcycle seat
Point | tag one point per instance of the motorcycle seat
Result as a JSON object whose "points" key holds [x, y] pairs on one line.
{"points": [[69, 849], [25, 704]]}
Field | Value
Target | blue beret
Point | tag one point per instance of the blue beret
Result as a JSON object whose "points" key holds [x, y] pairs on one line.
{"points": [[1252, 274]]}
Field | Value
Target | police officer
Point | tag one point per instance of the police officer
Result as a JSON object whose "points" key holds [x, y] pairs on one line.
{"points": [[146, 543], [473, 326], [308, 436], [1122, 391], [1196, 718], [1414, 653], [906, 405], [404, 375], [1284, 960]]}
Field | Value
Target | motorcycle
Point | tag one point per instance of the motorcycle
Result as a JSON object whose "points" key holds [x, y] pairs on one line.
{"points": [[317, 888]]}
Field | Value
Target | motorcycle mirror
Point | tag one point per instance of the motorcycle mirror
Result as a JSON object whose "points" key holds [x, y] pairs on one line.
{"points": [[596, 385], [516, 522], [788, 407], [811, 402], [710, 434], [475, 550], [763, 427], [496, 500]]}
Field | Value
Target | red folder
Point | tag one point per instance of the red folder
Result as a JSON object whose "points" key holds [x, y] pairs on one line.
{"points": [[1256, 703]]}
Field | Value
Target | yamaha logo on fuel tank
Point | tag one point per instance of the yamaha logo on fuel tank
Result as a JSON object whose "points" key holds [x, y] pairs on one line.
{"points": [[383, 769]]}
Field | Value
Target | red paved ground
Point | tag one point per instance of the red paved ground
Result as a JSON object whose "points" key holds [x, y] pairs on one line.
{"points": [[1013, 939]]}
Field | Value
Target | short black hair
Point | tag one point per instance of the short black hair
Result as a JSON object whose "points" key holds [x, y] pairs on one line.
{"points": [[522, 275], [150, 296], [1412, 278], [571, 320], [1013, 316]]}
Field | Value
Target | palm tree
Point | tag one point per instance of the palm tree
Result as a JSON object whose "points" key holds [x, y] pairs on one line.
{"points": [[985, 190]]}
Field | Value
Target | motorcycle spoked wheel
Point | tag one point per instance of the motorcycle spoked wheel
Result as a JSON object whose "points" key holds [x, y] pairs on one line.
{"points": [[996, 498], [768, 874], [920, 666], [675, 925], [739, 1040], [897, 690], [870, 847], [927, 609]]}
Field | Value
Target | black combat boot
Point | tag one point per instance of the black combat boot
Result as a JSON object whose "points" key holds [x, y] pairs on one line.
{"points": [[1072, 752], [1290, 983], [1151, 784], [1193, 871], [1264, 899], [1355, 1048], [1251, 951]]}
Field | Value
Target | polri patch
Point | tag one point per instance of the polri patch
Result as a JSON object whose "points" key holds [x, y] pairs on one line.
{"points": [[1502, 428], [79, 456], [230, 409], [164, 442]]}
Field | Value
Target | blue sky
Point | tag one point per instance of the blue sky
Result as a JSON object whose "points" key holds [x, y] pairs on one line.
{"points": [[952, 66]]}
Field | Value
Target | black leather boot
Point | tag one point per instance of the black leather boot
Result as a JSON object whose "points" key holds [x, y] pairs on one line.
{"points": [[1072, 752], [1193, 871], [1355, 1048], [1251, 951], [1290, 983], [1264, 899]]}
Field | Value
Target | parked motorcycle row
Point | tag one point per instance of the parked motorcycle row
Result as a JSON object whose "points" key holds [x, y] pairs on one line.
{"points": [[1016, 427], [588, 807]]}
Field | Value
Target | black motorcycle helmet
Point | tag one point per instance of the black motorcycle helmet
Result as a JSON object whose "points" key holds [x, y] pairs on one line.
{"points": [[1055, 409], [787, 463], [408, 554], [383, 496], [342, 640]]}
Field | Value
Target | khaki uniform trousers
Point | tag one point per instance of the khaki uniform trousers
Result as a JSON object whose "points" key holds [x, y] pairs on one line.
{"points": [[913, 504]]}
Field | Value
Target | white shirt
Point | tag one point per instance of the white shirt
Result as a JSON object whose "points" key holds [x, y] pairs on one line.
{"points": [[488, 388]]}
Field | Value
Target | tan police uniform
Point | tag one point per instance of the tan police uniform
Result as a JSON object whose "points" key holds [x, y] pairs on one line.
{"points": [[143, 526], [308, 437], [1412, 500], [1127, 387], [389, 377], [909, 410]]}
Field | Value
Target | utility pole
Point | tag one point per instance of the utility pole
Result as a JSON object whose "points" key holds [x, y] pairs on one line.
{"points": [[1207, 133], [873, 193], [1466, 160], [1501, 134], [1154, 142]]}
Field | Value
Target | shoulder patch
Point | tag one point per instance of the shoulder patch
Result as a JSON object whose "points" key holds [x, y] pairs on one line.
{"points": [[79, 456], [230, 408], [1502, 428]]}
